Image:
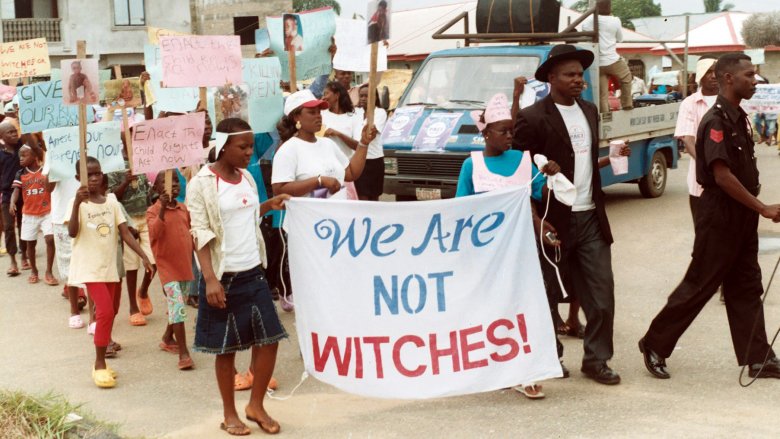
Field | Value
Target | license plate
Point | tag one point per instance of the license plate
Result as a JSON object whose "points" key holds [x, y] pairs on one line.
{"points": [[424, 194]]}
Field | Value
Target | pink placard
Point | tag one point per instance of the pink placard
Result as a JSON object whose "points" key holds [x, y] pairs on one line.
{"points": [[168, 143], [200, 61]]}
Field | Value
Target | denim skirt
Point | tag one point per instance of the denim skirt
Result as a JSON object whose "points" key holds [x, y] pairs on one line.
{"points": [[249, 318]]}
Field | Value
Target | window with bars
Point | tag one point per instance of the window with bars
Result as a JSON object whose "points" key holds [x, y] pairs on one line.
{"points": [[129, 13]]}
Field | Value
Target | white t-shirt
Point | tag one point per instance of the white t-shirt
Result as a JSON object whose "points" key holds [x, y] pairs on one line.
{"points": [[610, 33], [64, 191], [710, 100], [581, 142], [238, 205], [298, 160], [375, 149], [347, 123]]}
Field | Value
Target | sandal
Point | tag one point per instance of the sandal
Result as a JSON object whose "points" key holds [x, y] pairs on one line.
{"points": [[235, 430], [186, 364], [144, 303], [91, 328], [52, 282], [562, 329], [75, 322], [103, 378], [26, 265], [192, 301], [137, 319], [117, 347], [33, 279], [12, 272], [534, 391], [272, 427], [111, 351], [242, 382], [577, 332], [273, 384], [81, 303], [170, 348]]}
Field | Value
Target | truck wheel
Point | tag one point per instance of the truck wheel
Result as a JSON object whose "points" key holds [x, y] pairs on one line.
{"points": [[653, 184]]}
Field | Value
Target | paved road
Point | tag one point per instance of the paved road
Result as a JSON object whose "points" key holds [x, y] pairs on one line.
{"points": [[653, 244]]}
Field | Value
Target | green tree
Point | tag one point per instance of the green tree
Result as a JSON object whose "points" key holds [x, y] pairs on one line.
{"points": [[306, 5], [717, 6], [761, 30], [626, 9]]}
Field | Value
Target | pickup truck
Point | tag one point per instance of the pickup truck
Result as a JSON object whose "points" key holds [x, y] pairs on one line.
{"points": [[452, 83]]}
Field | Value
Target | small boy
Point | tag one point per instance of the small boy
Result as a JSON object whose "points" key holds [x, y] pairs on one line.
{"points": [[169, 232], [95, 222], [31, 185]]}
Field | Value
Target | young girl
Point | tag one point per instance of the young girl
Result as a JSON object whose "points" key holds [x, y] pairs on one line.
{"points": [[95, 221], [235, 310], [307, 165], [497, 167], [30, 185]]}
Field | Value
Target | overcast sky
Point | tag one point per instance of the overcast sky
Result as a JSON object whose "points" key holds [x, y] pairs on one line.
{"points": [[668, 7]]}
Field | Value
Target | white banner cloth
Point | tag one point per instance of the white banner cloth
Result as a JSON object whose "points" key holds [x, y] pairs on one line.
{"points": [[422, 299]]}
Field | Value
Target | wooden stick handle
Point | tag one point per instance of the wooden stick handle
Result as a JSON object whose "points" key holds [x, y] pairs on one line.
{"points": [[202, 93], [169, 182], [372, 86], [128, 138], [81, 53], [293, 81]]}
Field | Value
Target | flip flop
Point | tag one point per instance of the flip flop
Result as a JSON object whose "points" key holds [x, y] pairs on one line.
{"points": [[170, 348], [144, 304], [137, 319], [50, 281], [186, 364], [531, 392], [235, 430], [242, 382], [26, 265], [103, 379], [75, 322], [273, 428], [33, 279], [12, 272]]}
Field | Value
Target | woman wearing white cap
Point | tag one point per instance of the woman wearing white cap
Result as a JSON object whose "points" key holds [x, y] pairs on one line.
{"points": [[306, 165]]}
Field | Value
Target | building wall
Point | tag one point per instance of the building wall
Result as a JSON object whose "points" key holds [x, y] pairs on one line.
{"points": [[93, 21], [771, 67], [215, 17]]}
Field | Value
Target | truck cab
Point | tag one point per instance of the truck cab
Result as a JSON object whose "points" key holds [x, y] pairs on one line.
{"points": [[431, 132]]}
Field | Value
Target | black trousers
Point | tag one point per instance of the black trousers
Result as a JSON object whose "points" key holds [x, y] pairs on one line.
{"points": [[694, 203], [278, 262], [725, 251], [586, 269], [10, 233]]}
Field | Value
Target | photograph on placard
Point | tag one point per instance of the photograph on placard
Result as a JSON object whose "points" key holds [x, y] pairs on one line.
{"points": [[231, 101], [80, 81], [124, 92], [293, 32], [379, 23]]}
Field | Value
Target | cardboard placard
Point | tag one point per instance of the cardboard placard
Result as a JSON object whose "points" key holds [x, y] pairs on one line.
{"points": [[318, 27], [266, 102], [41, 107], [80, 81], [127, 90], [21, 59], [154, 34], [168, 143], [378, 28], [180, 100], [62, 149], [200, 61], [353, 54]]}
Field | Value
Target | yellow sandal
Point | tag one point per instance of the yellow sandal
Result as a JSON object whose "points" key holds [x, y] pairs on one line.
{"points": [[103, 378]]}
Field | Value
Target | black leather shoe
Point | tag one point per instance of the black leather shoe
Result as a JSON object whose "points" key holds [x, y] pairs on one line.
{"points": [[654, 363], [565, 371], [602, 374], [770, 370]]}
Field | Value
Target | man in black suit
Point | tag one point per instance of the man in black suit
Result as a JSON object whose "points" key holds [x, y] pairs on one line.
{"points": [[564, 128]]}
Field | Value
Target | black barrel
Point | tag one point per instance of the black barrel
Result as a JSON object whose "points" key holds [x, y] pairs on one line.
{"points": [[517, 16]]}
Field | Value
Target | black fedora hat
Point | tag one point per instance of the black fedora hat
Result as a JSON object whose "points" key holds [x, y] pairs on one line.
{"points": [[563, 52]]}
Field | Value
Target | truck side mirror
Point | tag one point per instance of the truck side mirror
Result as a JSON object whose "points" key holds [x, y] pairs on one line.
{"points": [[384, 98]]}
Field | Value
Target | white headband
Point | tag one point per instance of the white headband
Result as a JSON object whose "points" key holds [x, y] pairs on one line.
{"points": [[220, 139]]}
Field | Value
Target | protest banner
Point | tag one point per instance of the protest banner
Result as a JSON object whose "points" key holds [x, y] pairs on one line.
{"points": [[318, 27], [379, 23], [154, 34], [435, 131], [125, 90], [200, 61], [168, 143], [262, 40], [22, 59], [231, 101], [400, 125], [41, 107], [179, 100], [103, 76], [265, 99], [445, 297], [353, 53], [765, 100], [80, 81], [62, 149]]}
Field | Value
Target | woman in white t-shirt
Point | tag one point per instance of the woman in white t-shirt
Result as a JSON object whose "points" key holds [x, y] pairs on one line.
{"points": [[309, 166], [371, 183], [235, 310], [341, 122]]}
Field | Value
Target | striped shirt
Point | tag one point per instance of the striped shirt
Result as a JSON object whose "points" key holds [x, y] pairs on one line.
{"points": [[691, 112]]}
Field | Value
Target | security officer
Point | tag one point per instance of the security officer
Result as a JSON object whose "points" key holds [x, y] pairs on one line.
{"points": [[725, 250]]}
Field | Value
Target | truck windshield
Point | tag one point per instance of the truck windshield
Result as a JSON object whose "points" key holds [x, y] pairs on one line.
{"points": [[467, 81]]}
